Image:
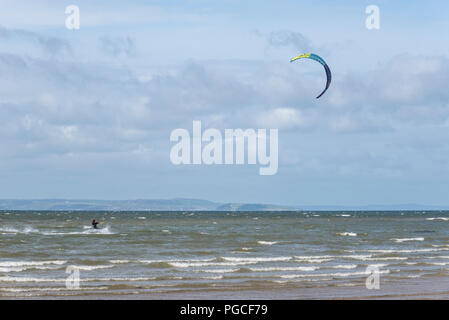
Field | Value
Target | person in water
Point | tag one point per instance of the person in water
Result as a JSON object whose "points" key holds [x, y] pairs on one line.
{"points": [[94, 224]]}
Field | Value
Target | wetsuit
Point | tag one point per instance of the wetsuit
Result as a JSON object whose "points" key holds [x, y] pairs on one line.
{"points": [[94, 224]]}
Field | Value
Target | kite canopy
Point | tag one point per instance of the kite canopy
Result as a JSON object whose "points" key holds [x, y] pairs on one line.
{"points": [[323, 63]]}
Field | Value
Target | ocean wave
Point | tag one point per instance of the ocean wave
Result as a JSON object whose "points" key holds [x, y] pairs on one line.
{"points": [[348, 234], [314, 257], [30, 263], [17, 290], [88, 230], [385, 258], [221, 270], [269, 269], [407, 239], [24, 230], [207, 264], [212, 278], [337, 274], [119, 261], [437, 263], [267, 243], [362, 257], [343, 266], [63, 280], [24, 268], [176, 260], [89, 268], [257, 259], [352, 256], [438, 218], [406, 250], [314, 260], [356, 256], [301, 280]]}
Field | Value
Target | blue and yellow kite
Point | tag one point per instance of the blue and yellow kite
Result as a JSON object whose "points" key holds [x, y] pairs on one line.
{"points": [[323, 63]]}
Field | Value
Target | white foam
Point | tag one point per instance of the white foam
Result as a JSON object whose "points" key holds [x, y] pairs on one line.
{"points": [[338, 274], [13, 230], [220, 270], [177, 260], [119, 261], [407, 251], [357, 256], [313, 257], [269, 269], [329, 257], [88, 268], [407, 239], [385, 258], [23, 268], [267, 243], [347, 234], [63, 280], [47, 289], [344, 266], [438, 218], [315, 260], [88, 230], [212, 278], [257, 259], [30, 263], [27, 279], [438, 263], [207, 264], [378, 265]]}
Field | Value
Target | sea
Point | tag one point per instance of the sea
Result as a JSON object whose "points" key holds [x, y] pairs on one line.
{"points": [[215, 255]]}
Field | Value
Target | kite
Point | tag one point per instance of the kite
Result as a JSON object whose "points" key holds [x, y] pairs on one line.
{"points": [[323, 63]]}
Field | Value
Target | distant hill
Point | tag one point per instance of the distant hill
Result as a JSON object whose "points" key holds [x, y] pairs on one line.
{"points": [[179, 204], [182, 204], [395, 207], [252, 207]]}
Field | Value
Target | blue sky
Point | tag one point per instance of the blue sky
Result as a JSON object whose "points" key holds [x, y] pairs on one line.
{"points": [[88, 113]]}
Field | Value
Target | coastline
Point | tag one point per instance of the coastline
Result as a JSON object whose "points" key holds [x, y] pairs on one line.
{"points": [[434, 288]]}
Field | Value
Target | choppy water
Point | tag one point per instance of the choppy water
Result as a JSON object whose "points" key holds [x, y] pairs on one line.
{"points": [[163, 252]]}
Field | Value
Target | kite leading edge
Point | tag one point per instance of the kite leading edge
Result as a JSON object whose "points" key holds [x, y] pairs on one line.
{"points": [[323, 63]]}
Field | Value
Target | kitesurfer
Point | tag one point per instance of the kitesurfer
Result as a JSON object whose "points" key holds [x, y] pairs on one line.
{"points": [[94, 224]]}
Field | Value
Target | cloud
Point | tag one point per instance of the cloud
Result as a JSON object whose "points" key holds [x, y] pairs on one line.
{"points": [[48, 44], [281, 118], [118, 46], [73, 116], [282, 38]]}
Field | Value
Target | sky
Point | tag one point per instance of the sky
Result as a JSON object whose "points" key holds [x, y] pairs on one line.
{"points": [[87, 113]]}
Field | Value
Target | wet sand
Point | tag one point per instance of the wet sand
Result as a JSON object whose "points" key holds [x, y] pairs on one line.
{"points": [[421, 289]]}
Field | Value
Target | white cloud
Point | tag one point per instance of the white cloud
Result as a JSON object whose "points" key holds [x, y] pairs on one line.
{"points": [[281, 118]]}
